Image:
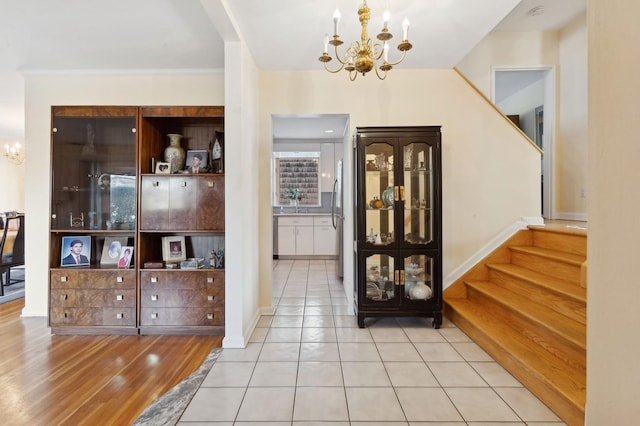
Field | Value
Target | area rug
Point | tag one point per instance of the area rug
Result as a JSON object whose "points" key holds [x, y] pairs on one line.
{"points": [[168, 409]]}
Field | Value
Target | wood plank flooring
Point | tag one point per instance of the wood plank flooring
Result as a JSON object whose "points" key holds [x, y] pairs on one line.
{"points": [[87, 380]]}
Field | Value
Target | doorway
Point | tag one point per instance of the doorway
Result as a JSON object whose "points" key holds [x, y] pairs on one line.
{"points": [[530, 93]]}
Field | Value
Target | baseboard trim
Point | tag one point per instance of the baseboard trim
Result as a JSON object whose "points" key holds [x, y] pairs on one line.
{"points": [[572, 216], [488, 248]]}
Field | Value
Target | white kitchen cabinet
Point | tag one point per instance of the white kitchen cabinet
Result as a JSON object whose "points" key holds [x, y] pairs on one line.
{"points": [[324, 237], [295, 236]]}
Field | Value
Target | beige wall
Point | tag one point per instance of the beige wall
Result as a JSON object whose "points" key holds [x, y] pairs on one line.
{"points": [[567, 50], [43, 91], [489, 170], [613, 315], [571, 148]]}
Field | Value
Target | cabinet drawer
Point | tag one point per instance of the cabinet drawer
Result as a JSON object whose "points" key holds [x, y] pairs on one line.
{"points": [[295, 221], [182, 298], [93, 279], [188, 280], [322, 221], [71, 298], [182, 317], [92, 316]]}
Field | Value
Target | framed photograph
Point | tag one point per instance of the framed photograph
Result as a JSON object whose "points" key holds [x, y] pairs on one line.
{"points": [[173, 249], [125, 258], [197, 161], [163, 168], [112, 250], [75, 251]]}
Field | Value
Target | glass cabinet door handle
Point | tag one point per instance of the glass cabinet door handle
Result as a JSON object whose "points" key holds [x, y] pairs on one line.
{"points": [[402, 193], [396, 193], [397, 274], [402, 277]]}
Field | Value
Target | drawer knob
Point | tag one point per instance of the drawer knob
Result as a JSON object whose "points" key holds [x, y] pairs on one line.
{"points": [[209, 280], [154, 297], [119, 315], [64, 297], [209, 316], [210, 298], [65, 315], [210, 184], [154, 279], [119, 297], [156, 183], [119, 279], [63, 279], [154, 315], [183, 184]]}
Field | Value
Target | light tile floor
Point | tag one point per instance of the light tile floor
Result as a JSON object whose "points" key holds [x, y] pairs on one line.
{"points": [[310, 364]]}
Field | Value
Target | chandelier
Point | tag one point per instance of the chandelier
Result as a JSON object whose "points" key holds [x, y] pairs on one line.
{"points": [[14, 153], [364, 55]]}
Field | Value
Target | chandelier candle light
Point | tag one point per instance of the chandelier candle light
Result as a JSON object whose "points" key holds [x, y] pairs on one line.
{"points": [[364, 55]]}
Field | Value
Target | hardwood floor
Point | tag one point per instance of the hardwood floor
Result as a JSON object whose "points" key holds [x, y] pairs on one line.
{"points": [[76, 380]]}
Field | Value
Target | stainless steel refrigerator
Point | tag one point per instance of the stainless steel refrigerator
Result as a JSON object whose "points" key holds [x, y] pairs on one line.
{"points": [[337, 216]]}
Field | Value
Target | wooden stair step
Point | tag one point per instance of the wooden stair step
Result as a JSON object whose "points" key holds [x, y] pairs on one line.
{"points": [[542, 316], [549, 262], [548, 283], [572, 240], [557, 384], [563, 297], [550, 254]]}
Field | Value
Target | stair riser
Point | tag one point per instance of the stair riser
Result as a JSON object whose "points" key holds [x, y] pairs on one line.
{"points": [[576, 244], [569, 307], [558, 402], [547, 266], [543, 336]]}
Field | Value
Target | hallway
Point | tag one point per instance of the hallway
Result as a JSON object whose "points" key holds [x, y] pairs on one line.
{"points": [[311, 363]]}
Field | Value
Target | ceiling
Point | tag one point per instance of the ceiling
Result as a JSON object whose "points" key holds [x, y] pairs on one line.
{"points": [[41, 36]]}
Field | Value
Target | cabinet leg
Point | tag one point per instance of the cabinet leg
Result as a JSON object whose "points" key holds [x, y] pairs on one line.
{"points": [[437, 319], [360, 320]]}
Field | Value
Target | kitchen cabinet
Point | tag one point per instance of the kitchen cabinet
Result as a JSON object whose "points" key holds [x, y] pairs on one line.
{"points": [[324, 237], [398, 223], [295, 236]]}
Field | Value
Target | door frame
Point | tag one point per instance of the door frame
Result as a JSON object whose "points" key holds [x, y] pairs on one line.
{"points": [[549, 130]]}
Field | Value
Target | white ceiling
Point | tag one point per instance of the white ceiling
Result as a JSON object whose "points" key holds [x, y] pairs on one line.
{"points": [[168, 35]]}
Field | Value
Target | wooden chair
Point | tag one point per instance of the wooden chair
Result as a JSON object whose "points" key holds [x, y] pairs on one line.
{"points": [[16, 256]]}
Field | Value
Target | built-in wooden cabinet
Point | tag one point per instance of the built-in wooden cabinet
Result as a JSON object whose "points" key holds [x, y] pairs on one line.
{"points": [[104, 193]]}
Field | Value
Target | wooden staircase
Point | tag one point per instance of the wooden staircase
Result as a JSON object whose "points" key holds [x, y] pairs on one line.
{"points": [[525, 304]]}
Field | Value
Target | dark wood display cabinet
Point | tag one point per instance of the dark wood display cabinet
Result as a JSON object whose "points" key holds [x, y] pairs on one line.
{"points": [[107, 201], [398, 223]]}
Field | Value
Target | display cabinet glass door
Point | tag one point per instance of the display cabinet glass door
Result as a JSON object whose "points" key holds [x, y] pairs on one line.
{"points": [[417, 193], [94, 174], [418, 277], [380, 279], [380, 191]]}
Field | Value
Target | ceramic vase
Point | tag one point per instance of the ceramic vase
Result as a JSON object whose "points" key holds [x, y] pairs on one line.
{"points": [[174, 153]]}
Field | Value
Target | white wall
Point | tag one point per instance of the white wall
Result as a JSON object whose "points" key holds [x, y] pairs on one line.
{"points": [[490, 172], [11, 175], [524, 103], [12, 178], [43, 91], [613, 349], [242, 238]]}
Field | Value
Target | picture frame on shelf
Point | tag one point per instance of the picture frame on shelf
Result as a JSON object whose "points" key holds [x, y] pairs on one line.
{"points": [[112, 250], [174, 249], [197, 161], [125, 258], [75, 251], [162, 168]]}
